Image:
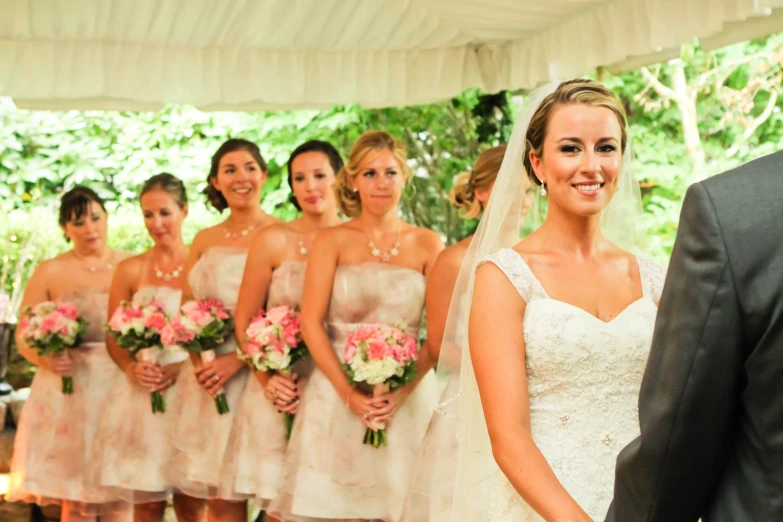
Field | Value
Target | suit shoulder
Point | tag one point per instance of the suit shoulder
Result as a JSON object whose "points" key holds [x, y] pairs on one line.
{"points": [[752, 179]]}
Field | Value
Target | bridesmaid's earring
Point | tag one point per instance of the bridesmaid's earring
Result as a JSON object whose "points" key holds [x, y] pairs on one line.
{"points": [[543, 189]]}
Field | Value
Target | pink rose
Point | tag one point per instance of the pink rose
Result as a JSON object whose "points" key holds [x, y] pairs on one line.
{"points": [[350, 351], [131, 311], [168, 336], [189, 307], [117, 319], [174, 333], [291, 334], [155, 322], [52, 323], [252, 348], [200, 317], [68, 310], [411, 347], [256, 328], [277, 314], [377, 350]]}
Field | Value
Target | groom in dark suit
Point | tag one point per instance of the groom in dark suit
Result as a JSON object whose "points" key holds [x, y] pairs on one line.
{"points": [[711, 403]]}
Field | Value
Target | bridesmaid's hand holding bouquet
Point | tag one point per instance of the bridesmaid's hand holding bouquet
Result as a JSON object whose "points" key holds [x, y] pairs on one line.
{"points": [[51, 328], [138, 329], [203, 325], [274, 344], [383, 357]]}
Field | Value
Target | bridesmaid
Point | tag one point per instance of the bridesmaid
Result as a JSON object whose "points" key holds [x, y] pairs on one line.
{"points": [[274, 275], [133, 444], [367, 270], [430, 495], [214, 268], [54, 440]]}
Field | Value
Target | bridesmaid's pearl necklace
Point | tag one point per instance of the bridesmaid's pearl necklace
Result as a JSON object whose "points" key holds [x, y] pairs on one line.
{"points": [[92, 268], [160, 274], [387, 256], [242, 233]]}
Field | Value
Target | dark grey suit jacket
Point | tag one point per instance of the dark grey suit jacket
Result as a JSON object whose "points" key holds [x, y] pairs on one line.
{"points": [[711, 403]]}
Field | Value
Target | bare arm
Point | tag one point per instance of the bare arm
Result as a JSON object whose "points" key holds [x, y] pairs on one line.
{"points": [[319, 280], [122, 286], [254, 289], [388, 404], [440, 289], [432, 244], [497, 350], [194, 254], [35, 292]]}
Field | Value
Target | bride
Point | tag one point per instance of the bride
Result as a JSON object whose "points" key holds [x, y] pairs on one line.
{"points": [[560, 323]]}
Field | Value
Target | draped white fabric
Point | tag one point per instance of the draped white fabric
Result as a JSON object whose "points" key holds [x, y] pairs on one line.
{"points": [[293, 54]]}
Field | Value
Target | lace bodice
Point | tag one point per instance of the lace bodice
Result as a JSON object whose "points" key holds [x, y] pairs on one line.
{"points": [[287, 284], [218, 273], [374, 293], [93, 306], [584, 377]]}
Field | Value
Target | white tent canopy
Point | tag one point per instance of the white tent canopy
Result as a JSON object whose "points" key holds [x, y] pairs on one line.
{"points": [[293, 54]]}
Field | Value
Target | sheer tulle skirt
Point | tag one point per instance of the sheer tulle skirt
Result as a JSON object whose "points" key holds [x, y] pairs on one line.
{"points": [[56, 434], [431, 494], [200, 435], [330, 474], [256, 447], [133, 445]]}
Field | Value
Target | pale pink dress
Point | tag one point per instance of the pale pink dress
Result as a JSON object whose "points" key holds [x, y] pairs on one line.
{"points": [[133, 445], [199, 434], [258, 441], [56, 433], [329, 473]]}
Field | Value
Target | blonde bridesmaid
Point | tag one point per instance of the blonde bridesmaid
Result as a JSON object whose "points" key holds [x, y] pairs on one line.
{"points": [[371, 269]]}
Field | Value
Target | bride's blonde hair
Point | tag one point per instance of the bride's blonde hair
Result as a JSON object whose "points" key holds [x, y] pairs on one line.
{"points": [[463, 193], [374, 141]]}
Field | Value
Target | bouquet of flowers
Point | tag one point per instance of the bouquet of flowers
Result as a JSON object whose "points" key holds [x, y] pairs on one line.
{"points": [[51, 328], [383, 357], [203, 325], [137, 328], [274, 343]]}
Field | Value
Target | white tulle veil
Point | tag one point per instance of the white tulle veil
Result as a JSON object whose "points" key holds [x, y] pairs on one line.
{"points": [[500, 228]]}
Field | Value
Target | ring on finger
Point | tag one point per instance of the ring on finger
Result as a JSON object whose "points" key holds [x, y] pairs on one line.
{"points": [[216, 378], [366, 416]]}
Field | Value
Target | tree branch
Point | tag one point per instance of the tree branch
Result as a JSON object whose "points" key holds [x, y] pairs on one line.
{"points": [[663, 90]]}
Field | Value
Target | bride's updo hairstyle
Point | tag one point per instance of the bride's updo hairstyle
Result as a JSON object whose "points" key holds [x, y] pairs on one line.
{"points": [[572, 92], [366, 149], [463, 193]]}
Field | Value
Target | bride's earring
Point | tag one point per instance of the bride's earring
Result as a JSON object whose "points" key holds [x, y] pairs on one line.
{"points": [[543, 188]]}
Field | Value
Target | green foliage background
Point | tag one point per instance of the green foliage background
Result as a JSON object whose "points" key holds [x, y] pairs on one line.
{"points": [[44, 153]]}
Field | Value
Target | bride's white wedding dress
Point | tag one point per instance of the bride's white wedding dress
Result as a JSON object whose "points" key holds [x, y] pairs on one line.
{"points": [[584, 376]]}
